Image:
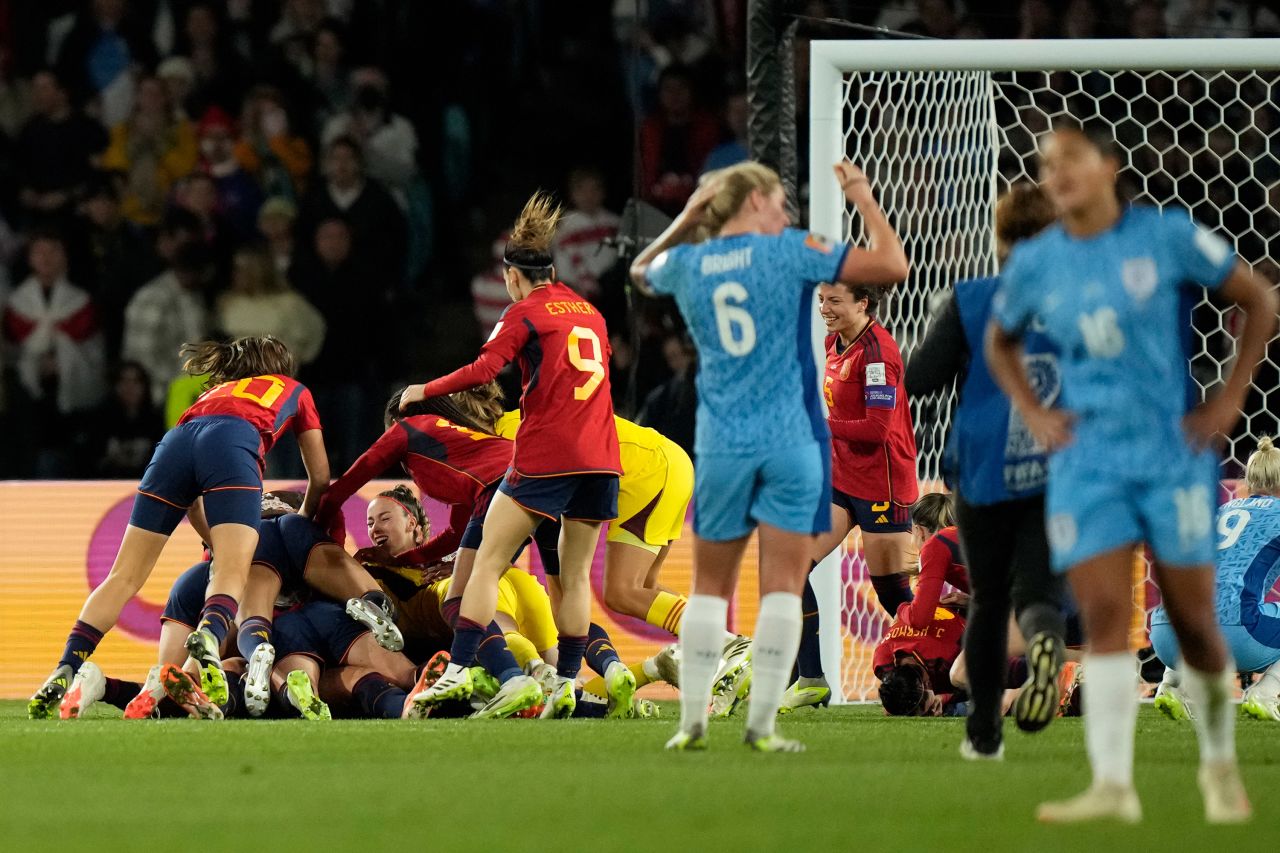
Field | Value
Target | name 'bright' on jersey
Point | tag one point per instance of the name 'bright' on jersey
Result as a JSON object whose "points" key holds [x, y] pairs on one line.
{"points": [[748, 301]]}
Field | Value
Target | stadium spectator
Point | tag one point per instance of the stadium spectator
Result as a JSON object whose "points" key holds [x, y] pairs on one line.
{"points": [[278, 159], [179, 78], [387, 140], [1037, 20], [734, 149], [330, 78], [154, 147], [53, 330], [1208, 18], [276, 219], [56, 148], [675, 140], [376, 223], [580, 258], [98, 57], [935, 19], [118, 436], [671, 408], [116, 258], [342, 375], [237, 195], [167, 312], [1146, 20], [262, 302], [1083, 19], [218, 78]]}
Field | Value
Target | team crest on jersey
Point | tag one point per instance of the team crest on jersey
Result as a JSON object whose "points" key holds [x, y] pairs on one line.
{"points": [[818, 242], [845, 369], [1139, 277]]}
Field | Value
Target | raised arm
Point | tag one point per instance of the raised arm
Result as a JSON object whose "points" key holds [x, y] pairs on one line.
{"points": [[316, 461], [508, 337], [680, 229], [1255, 296], [386, 451], [883, 263]]}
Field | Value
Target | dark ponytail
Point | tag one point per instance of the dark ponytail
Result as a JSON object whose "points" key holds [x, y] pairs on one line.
{"points": [[442, 407]]}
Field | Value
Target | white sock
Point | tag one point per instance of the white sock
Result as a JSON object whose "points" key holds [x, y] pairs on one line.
{"points": [[1110, 714], [609, 670], [1171, 677], [701, 641], [1215, 719], [1269, 684], [650, 669], [773, 654]]}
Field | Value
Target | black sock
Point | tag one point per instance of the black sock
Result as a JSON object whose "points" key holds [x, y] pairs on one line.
{"points": [[81, 642], [378, 697], [893, 591], [809, 659], [218, 615], [571, 651], [253, 632], [495, 657], [600, 652], [120, 693]]}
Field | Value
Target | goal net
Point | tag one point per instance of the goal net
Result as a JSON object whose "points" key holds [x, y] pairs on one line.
{"points": [[942, 128]]}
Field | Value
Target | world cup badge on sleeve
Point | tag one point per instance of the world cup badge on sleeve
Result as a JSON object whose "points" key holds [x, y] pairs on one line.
{"points": [[1139, 278]]}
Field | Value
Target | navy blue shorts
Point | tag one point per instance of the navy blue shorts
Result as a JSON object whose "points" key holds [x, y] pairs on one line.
{"points": [[186, 598], [577, 497], [872, 516], [473, 535], [216, 457], [320, 629], [285, 544]]}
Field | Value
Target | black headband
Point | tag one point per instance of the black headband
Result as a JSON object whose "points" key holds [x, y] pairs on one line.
{"points": [[526, 259]]}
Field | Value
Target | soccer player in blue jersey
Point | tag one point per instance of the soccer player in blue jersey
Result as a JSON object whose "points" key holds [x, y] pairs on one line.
{"points": [[1248, 566], [1111, 286], [998, 473], [763, 447]]}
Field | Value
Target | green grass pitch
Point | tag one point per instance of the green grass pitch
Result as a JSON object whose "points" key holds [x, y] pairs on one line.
{"points": [[866, 783]]}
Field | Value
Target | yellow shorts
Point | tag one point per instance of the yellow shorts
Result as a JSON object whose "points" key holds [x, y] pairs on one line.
{"points": [[522, 598], [653, 497]]}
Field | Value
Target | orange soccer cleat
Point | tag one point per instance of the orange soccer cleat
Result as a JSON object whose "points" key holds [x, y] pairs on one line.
{"points": [[143, 706], [431, 672], [183, 690]]}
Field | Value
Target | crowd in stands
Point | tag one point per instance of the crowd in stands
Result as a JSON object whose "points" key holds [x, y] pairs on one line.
{"points": [[335, 172]]}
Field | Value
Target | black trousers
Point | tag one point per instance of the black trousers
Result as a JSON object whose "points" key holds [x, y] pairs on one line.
{"points": [[1007, 554]]}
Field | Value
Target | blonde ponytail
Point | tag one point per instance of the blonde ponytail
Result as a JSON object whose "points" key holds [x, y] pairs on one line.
{"points": [[1262, 473]]}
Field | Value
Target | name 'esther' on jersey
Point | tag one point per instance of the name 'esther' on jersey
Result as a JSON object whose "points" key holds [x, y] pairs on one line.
{"points": [[562, 345], [748, 302]]}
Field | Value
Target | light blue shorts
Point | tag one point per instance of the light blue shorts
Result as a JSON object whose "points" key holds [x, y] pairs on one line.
{"points": [[1088, 513], [787, 487], [1249, 654]]}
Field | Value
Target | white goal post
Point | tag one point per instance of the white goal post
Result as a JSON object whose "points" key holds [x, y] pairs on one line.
{"points": [[942, 127]]}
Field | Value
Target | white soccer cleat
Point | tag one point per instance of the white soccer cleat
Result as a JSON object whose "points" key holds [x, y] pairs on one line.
{"points": [[1225, 800], [257, 681], [1102, 801], [87, 687], [455, 683], [1254, 704], [143, 706], [1173, 702], [545, 674], [688, 741], [667, 664], [373, 617], [735, 655], [730, 692], [517, 695], [561, 701], [805, 693]]}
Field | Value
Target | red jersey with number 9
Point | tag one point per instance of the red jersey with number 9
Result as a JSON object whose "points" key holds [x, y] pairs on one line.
{"points": [[562, 346], [272, 403]]}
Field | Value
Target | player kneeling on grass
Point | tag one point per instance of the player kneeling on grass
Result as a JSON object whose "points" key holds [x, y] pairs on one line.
{"points": [[1248, 565]]}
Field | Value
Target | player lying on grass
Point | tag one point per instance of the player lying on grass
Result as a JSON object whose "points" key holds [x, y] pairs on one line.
{"points": [[1248, 564], [397, 525], [452, 459], [744, 284], [210, 462], [1131, 459]]}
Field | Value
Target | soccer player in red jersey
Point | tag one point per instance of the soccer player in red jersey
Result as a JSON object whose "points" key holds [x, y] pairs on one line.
{"points": [[454, 458], [565, 463], [914, 665], [873, 465], [210, 464], [933, 524]]}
